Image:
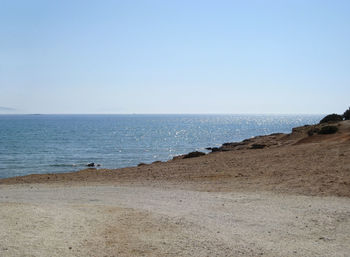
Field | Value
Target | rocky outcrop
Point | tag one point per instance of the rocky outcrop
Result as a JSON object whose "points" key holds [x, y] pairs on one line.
{"points": [[258, 142], [257, 146], [332, 118], [92, 164], [193, 155]]}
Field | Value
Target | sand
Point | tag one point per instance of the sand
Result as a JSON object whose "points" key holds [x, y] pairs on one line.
{"points": [[289, 199]]}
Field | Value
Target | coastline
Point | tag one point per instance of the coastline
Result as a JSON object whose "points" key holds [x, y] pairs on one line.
{"points": [[289, 197], [278, 162], [106, 141]]}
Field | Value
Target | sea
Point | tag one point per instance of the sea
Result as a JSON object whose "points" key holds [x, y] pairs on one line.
{"points": [[33, 144]]}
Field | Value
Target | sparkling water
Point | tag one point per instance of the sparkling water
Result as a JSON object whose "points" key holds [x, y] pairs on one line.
{"points": [[62, 143]]}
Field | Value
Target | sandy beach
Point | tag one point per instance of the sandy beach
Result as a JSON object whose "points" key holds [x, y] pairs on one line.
{"points": [[276, 195], [175, 128]]}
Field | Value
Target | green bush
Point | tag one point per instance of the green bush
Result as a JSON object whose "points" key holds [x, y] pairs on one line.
{"points": [[346, 114], [332, 118], [328, 130]]}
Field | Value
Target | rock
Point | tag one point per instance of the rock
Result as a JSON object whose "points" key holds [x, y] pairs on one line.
{"points": [[141, 164], [234, 144], [276, 134], [92, 164], [257, 146], [213, 149], [332, 118], [178, 157], [193, 154]]}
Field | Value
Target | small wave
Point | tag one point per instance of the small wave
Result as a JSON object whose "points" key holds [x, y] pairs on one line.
{"points": [[66, 165]]}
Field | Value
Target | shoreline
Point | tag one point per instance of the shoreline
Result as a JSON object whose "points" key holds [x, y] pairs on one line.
{"points": [[257, 163], [288, 198], [113, 149]]}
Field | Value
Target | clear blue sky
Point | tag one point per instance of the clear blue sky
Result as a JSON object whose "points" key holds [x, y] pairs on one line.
{"points": [[174, 56]]}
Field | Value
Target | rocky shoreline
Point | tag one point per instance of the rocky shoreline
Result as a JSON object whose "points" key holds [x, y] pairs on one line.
{"points": [[298, 162], [289, 197], [271, 140]]}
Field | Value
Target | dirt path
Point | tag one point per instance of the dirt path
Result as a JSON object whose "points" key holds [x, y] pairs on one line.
{"points": [[42, 220]]}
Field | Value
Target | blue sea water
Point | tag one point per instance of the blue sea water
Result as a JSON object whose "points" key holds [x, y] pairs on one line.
{"points": [[62, 143]]}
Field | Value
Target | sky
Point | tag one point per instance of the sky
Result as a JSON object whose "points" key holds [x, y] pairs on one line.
{"points": [[174, 56]]}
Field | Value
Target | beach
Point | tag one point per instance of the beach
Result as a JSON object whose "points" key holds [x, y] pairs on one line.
{"points": [[174, 128], [276, 195]]}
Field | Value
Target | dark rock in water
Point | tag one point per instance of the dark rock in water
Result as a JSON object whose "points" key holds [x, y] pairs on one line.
{"points": [[156, 162], [229, 144], [277, 134], [193, 154], [92, 164], [213, 149], [234, 144], [141, 164], [257, 146]]}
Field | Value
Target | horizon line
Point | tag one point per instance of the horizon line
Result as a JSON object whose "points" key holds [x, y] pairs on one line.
{"points": [[163, 113]]}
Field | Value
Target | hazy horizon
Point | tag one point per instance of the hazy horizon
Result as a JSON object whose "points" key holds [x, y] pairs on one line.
{"points": [[183, 57], [39, 113]]}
